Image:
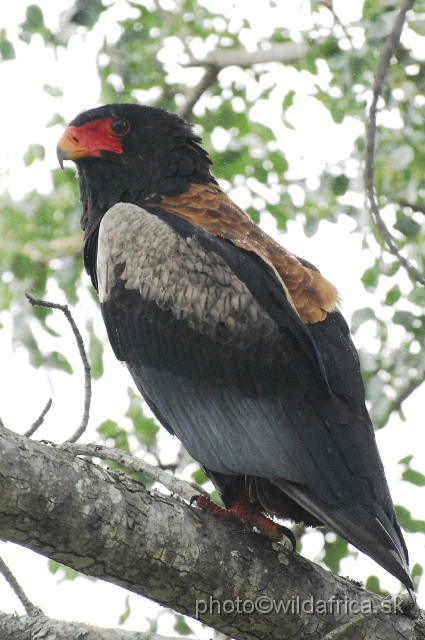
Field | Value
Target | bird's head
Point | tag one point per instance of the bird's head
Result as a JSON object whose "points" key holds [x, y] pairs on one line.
{"points": [[129, 153]]}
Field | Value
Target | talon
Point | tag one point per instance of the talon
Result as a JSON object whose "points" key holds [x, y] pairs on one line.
{"points": [[284, 531]]}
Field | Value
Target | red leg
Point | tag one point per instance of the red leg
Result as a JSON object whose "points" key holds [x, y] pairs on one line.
{"points": [[242, 511]]}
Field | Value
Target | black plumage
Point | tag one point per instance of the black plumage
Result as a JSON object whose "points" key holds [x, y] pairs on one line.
{"points": [[213, 322]]}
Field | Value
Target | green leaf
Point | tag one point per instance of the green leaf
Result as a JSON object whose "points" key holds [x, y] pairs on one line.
{"points": [[65, 573], [418, 26], [406, 521], [415, 477], [393, 295], [33, 153], [417, 296], [371, 276], [311, 226], [126, 614], [329, 47], [34, 22], [56, 360], [55, 92], [216, 497], [181, 626], [405, 318], [407, 226], [372, 584], [109, 429], [95, 353], [416, 573], [145, 428], [22, 267], [199, 477], [7, 51], [86, 12], [335, 552], [339, 185], [288, 100], [361, 316], [55, 119]]}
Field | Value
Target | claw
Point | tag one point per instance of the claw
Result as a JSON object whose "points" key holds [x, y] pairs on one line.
{"points": [[284, 531]]}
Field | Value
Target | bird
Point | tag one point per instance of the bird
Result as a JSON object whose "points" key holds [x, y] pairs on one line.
{"points": [[238, 346]]}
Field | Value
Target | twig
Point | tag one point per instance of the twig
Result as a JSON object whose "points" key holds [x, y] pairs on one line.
{"points": [[187, 49], [420, 208], [380, 77], [218, 60], [33, 428], [162, 13], [87, 371], [209, 77], [29, 607], [329, 6], [175, 485], [406, 391]]}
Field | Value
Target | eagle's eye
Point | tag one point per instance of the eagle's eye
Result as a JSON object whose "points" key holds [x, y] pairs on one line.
{"points": [[120, 127]]}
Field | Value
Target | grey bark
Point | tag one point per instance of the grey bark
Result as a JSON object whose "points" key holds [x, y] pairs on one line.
{"points": [[109, 527], [14, 627], [286, 53]]}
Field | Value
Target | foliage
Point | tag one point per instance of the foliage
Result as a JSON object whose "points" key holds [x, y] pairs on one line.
{"points": [[159, 56], [136, 68]]}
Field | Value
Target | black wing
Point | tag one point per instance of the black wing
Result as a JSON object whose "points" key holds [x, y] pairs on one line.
{"points": [[227, 365]]}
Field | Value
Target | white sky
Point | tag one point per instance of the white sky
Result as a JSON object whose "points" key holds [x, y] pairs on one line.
{"points": [[24, 111]]}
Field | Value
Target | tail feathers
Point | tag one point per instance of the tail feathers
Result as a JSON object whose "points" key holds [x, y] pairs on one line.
{"points": [[367, 527]]}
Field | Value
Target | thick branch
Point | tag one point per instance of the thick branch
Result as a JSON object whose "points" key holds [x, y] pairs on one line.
{"points": [[287, 52], [109, 527], [381, 75], [29, 627]]}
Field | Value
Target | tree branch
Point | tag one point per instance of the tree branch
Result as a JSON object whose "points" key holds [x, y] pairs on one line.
{"points": [[420, 208], [28, 627], [109, 527], [380, 77], [286, 53], [193, 95], [29, 607], [33, 428], [175, 485], [407, 390], [328, 4], [87, 370]]}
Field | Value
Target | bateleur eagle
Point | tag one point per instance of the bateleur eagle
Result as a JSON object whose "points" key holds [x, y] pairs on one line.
{"points": [[237, 346]]}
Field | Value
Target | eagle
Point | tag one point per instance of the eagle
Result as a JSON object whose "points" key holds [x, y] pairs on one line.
{"points": [[237, 346]]}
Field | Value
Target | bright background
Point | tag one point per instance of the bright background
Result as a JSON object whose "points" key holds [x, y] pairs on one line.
{"points": [[24, 111]]}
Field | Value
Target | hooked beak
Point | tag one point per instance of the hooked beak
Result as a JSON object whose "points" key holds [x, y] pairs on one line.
{"points": [[62, 155], [88, 141], [76, 143]]}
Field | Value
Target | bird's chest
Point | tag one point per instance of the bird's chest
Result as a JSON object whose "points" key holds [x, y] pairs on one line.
{"points": [[139, 252]]}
